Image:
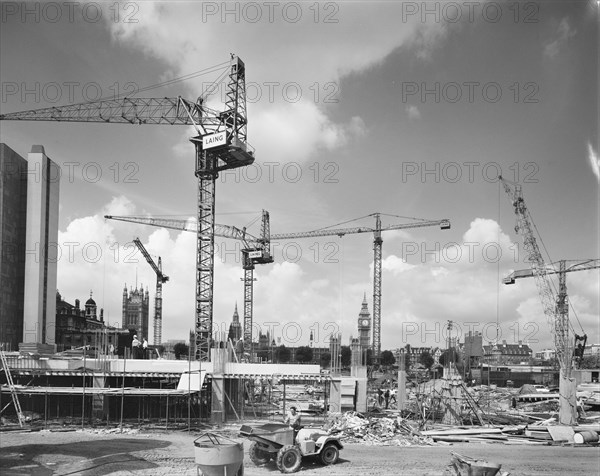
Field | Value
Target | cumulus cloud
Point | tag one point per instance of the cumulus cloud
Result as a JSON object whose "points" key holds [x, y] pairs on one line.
{"points": [[413, 112], [311, 81], [564, 34], [594, 161], [305, 130], [420, 293]]}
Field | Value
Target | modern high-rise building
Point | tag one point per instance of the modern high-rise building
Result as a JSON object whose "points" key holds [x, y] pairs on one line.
{"points": [[135, 311], [13, 216], [41, 252]]}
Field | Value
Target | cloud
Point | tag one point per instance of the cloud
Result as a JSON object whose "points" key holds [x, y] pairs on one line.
{"points": [[304, 131], [594, 161], [420, 291], [565, 33], [413, 112], [288, 107]]}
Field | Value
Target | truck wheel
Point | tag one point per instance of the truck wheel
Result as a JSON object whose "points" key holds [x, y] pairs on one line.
{"points": [[289, 459], [329, 454], [258, 456]]}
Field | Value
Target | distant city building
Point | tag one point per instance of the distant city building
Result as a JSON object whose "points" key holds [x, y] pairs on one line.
{"points": [[503, 354], [135, 311], [41, 256], [594, 349], [545, 354], [235, 328], [76, 327], [472, 350], [13, 221], [412, 355]]}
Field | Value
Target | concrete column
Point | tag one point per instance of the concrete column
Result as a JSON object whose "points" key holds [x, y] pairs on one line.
{"points": [[335, 394], [361, 393], [567, 391], [401, 384], [217, 413], [98, 401]]}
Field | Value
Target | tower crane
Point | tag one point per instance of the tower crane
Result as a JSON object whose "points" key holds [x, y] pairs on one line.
{"points": [[254, 251], [220, 144], [555, 310], [562, 306], [160, 279], [264, 242], [444, 224]]}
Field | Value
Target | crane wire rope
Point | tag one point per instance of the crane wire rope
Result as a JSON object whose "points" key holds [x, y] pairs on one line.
{"points": [[370, 215], [169, 82], [552, 282], [550, 260], [498, 265]]}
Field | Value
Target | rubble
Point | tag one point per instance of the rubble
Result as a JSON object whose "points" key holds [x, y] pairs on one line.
{"points": [[382, 431]]}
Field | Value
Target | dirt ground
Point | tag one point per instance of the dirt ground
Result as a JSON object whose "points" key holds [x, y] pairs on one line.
{"points": [[161, 453]]}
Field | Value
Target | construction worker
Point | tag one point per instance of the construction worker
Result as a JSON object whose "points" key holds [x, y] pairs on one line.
{"points": [[293, 418], [135, 347], [386, 395], [393, 392]]}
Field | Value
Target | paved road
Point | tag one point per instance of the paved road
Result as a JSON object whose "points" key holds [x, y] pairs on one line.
{"points": [[89, 453]]}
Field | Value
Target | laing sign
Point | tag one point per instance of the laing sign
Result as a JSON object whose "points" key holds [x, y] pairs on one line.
{"points": [[214, 140]]}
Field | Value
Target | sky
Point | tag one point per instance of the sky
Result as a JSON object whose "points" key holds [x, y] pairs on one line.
{"points": [[408, 109]]}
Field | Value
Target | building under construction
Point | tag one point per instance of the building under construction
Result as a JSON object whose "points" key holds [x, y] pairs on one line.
{"points": [[108, 390]]}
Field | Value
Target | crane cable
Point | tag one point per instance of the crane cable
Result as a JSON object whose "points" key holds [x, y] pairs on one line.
{"points": [[498, 267], [553, 284], [370, 215], [169, 82]]}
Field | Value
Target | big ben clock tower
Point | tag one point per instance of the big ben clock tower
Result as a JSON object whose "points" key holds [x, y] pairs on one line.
{"points": [[364, 325]]}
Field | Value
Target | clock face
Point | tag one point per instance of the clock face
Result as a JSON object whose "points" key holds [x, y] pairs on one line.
{"points": [[365, 322]]}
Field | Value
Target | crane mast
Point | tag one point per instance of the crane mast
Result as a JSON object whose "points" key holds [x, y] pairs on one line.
{"points": [[255, 251], [444, 224], [160, 279], [377, 258], [220, 145], [562, 305], [556, 310]]}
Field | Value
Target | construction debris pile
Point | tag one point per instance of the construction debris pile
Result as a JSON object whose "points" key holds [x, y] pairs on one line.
{"points": [[356, 428]]}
